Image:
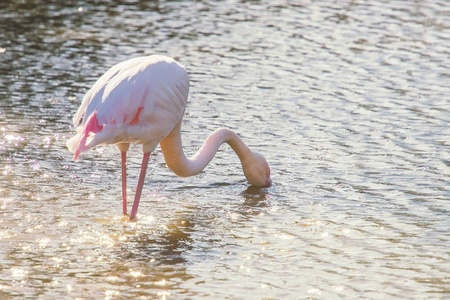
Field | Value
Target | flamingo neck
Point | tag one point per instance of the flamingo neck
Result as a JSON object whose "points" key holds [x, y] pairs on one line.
{"points": [[183, 166]]}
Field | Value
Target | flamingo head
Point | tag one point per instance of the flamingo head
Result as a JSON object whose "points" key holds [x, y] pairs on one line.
{"points": [[257, 170]]}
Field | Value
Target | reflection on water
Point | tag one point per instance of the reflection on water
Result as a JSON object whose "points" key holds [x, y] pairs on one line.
{"points": [[348, 101]]}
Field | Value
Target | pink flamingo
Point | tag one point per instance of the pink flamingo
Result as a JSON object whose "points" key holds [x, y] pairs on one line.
{"points": [[142, 100]]}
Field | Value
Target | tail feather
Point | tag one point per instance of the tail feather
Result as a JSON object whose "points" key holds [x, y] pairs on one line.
{"points": [[78, 143]]}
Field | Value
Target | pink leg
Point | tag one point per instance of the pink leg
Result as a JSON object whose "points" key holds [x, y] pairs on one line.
{"points": [[137, 196], [124, 182]]}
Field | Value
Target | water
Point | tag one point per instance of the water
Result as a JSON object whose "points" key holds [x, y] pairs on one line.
{"points": [[348, 101]]}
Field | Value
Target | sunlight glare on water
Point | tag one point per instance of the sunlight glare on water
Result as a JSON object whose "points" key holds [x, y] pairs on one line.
{"points": [[348, 101]]}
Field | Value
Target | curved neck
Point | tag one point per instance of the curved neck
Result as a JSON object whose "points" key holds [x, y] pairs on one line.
{"points": [[183, 166]]}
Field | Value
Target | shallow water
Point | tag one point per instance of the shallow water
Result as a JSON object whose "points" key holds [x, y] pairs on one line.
{"points": [[348, 101]]}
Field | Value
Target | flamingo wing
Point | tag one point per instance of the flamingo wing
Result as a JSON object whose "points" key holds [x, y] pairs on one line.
{"points": [[139, 100]]}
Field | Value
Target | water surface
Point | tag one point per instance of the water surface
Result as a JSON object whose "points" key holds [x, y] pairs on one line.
{"points": [[348, 101]]}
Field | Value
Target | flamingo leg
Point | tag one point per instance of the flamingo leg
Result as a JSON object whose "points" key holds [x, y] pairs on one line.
{"points": [[140, 185], [123, 155]]}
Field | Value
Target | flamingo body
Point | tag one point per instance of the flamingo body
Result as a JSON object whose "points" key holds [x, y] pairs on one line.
{"points": [[139, 100], [142, 101]]}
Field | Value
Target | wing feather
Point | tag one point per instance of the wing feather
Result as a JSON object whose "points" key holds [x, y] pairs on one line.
{"points": [[150, 91]]}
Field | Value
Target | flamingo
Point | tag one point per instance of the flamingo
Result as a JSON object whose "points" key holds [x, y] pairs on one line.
{"points": [[142, 100]]}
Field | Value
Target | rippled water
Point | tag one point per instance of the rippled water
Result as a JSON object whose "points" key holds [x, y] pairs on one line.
{"points": [[349, 101]]}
